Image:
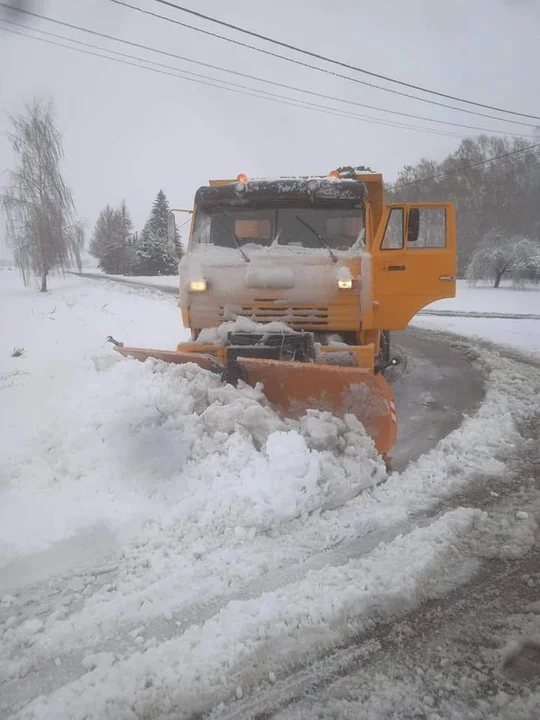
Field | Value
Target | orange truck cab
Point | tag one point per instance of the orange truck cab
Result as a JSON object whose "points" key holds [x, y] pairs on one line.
{"points": [[321, 254]]}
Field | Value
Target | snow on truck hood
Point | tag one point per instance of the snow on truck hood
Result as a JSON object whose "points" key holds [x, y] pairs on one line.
{"points": [[311, 271]]}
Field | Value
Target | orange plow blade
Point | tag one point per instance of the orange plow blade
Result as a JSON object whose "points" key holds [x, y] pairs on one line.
{"points": [[207, 362], [295, 387]]}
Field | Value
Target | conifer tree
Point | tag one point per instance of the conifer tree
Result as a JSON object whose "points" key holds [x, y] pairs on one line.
{"points": [[112, 240], [153, 257]]}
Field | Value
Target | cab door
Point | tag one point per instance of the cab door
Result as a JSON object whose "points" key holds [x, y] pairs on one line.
{"points": [[413, 261]]}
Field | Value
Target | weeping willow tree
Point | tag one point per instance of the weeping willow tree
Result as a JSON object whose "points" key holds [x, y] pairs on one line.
{"points": [[41, 225]]}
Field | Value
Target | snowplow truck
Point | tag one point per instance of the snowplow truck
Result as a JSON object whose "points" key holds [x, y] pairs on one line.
{"points": [[296, 283]]}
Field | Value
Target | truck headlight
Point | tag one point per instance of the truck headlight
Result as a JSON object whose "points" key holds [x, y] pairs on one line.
{"points": [[344, 284], [198, 286]]}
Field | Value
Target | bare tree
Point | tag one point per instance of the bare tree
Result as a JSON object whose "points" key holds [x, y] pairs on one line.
{"points": [[41, 226]]}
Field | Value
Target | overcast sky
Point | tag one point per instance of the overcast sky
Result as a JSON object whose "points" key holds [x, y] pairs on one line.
{"points": [[128, 132]]}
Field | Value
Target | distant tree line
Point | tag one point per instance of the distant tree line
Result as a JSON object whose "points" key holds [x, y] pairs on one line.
{"points": [[121, 251], [497, 205]]}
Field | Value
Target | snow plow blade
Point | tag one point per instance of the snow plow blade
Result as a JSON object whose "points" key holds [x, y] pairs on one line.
{"points": [[294, 387], [206, 362]]}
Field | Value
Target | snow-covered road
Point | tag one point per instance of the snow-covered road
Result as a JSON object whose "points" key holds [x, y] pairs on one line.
{"points": [[168, 544]]}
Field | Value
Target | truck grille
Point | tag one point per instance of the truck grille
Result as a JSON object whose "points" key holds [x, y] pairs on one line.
{"points": [[294, 316]]}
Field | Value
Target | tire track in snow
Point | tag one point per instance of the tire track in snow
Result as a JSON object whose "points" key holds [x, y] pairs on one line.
{"points": [[476, 635]]}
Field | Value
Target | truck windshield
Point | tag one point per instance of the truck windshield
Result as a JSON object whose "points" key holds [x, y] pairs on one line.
{"points": [[340, 228]]}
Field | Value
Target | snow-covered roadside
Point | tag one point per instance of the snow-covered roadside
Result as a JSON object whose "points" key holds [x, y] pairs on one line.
{"points": [[189, 478], [520, 334], [168, 282], [506, 300]]}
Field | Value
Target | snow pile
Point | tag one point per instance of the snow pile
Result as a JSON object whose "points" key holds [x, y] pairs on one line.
{"points": [[115, 435], [208, 457]]}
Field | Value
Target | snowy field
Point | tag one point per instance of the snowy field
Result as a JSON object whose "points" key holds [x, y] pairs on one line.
{"points": [[506, 300], [521, 333], [168, 544]]}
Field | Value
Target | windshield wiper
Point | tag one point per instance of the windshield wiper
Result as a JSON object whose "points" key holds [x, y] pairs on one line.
{"points": [[318, 235], [235, 237]]}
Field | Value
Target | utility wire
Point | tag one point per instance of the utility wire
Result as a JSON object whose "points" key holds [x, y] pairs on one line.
{"points": [[178, 57], [318, 56], [318, 69], [133, 64], [223, 84], [249, 77], [465, 167]]}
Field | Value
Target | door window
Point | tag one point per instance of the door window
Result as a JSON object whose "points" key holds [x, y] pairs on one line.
{"points": [[393, 235], [431, 228]]}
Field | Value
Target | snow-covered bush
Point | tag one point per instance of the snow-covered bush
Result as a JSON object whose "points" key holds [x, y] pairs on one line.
{"points": [[502, 255]]}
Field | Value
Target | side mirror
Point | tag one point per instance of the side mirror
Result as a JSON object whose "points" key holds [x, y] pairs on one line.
{"points": [[413, 227], [171, 237]]}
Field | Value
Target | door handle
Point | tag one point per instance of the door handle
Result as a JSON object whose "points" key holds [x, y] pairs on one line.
{"points": [[450, 278], [395, 267]]}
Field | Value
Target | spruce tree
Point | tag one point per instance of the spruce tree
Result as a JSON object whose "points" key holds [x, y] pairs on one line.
{"points": [[152, 255]]}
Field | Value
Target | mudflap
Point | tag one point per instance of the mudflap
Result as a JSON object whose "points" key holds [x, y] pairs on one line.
{"points": [[294, 387]]}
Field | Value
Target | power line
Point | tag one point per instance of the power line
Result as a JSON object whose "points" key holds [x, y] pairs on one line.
{"points": [[465, 167], [318, 56], [224, 85], [244, 75], [234, 87], [318, 69]]}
